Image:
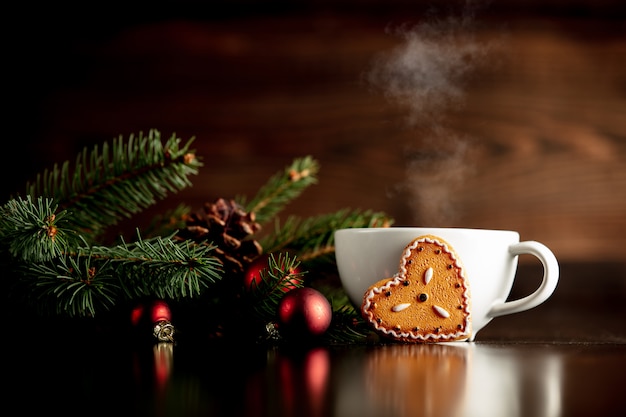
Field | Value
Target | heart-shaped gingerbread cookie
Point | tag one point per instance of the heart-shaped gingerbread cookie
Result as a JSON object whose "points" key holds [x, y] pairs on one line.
{"points": [[426, 301]]}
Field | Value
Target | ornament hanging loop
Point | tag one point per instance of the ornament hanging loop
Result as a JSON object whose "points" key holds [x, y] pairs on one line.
{"points": [[164, 331]]}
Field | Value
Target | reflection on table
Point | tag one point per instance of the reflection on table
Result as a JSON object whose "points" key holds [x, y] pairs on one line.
{"points": [[564, 358], [455, 379]]}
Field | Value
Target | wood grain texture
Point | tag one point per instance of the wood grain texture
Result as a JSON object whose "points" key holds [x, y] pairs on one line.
{"points": [[535, 143]]}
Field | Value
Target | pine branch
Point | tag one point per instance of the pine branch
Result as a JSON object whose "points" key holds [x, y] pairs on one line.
{"points": [[347, 326], [314, 236], [94, 279], [282, 188], [34, 231], [117, 182], [162, 267], [70, 286]]}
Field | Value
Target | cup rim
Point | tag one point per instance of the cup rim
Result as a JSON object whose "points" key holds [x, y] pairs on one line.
{"points": [[421, 228]]}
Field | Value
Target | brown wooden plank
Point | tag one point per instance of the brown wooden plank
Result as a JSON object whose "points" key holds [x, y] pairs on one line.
{"points": [[542, 123]]}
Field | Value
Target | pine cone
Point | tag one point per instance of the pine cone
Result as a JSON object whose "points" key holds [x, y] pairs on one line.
{"points": [[228, 226]]}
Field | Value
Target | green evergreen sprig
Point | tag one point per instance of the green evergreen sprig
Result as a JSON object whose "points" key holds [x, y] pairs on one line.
{"points": [[347, 326], [115, 182], [313, 237], [161, 267], [282, 188], [49, 236], [70, 286], [93, 280], [32, 231]]}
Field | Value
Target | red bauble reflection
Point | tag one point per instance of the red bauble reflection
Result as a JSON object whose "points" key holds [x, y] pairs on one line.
{"points": [[316, 374], [304, 312], [300, 378]]}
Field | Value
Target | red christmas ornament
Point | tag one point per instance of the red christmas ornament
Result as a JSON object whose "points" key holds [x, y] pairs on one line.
{"points": [[138, 314], [252, 278], [160, 311], [156, 314], [304, 312]]}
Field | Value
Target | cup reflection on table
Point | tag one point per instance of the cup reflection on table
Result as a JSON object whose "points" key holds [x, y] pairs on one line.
{"points": [[411, 380], [449, 379], [514, 380]]}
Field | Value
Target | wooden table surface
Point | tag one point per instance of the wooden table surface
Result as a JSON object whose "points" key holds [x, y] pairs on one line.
{"points": [[564, 358], [511, 117]]}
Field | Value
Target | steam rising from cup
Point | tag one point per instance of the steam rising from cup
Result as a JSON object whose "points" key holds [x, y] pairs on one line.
{"points": [[426, 74]]}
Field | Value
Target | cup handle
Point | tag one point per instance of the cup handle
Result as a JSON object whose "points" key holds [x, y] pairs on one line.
{"points": [[548, 284]]}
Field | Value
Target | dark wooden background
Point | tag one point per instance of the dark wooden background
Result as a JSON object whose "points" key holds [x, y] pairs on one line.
{"points": [[534, 141]]}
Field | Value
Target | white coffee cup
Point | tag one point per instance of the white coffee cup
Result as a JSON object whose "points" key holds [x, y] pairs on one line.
{"points": [[489, 257]]}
